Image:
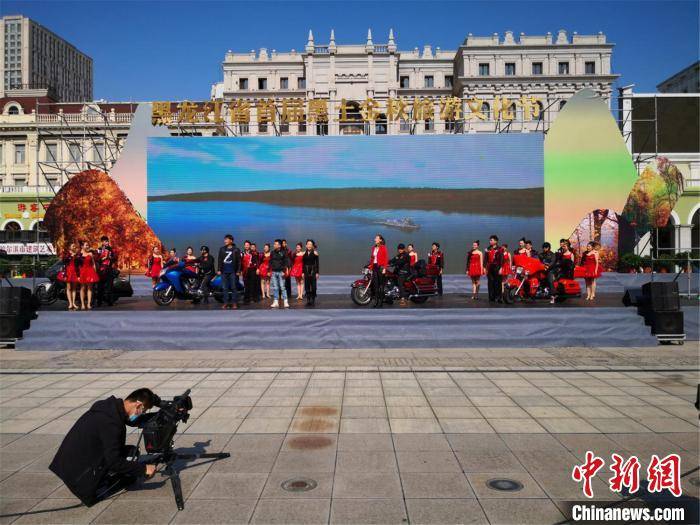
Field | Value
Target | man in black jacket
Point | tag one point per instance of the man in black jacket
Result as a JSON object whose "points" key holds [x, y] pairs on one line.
{"points": [[493, 261], [94, 452], [402, 268], [206, 271], [229, 269], [279, 265]]}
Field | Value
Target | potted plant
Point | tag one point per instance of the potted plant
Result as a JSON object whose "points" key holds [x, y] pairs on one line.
{"points": [[666, 263], [646, 264], [630, 263]]}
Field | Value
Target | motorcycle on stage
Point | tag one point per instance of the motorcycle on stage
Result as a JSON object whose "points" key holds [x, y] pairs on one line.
{"points": [[49, 292], [529, 282], [177, 282], [419, 287]]}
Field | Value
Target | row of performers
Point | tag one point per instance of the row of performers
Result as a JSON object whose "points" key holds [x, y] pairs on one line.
{"points": [[496, 262], [85, 269]]}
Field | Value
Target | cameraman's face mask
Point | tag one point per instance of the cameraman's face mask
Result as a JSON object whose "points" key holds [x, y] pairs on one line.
{"points": [[138, 410]]}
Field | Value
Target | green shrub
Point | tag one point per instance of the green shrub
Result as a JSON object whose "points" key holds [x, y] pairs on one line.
{"points": [[630, 261]]}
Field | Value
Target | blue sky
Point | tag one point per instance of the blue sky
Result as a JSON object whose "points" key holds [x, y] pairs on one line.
{"points": [[261, 163], [173, 50]]}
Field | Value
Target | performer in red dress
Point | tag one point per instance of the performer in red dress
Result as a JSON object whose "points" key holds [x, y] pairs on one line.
{"points": [[475, 268], [154, 265], [88, 276], [71, 275], [437, 258], [412, 255], [506, 266], [520, 250], [591, 262], [264, 271], [190, 260], [378, 261], [298, 270]]}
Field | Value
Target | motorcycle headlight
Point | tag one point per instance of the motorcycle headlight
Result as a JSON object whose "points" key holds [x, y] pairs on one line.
{"points": [[162, 273], [519, 270]]}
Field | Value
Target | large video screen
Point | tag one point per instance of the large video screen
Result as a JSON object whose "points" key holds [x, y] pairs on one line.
{"points": [[342, 190], [666, 124]]}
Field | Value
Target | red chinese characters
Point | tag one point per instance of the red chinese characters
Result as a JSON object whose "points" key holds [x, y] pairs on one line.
{"points": [[625, 474], [665, 474], [587, 472]]}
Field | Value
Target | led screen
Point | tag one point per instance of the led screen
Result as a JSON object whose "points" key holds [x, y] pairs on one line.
{"points": [[341, 191]]}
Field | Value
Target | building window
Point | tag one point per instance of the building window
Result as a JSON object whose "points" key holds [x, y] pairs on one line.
{"points": [[537, 68], [20, 181], [428, 81], [74, 152], [429, 126], [563, 68], [483, 70], [322, 128], [13, 110], [1, 161], [53, 182], [590, 68], [403, 82], [97, 152], [540, 112], [20, 156], [450, 126], [243, 83], [449, 80], [562, 103], [284, 83], [404, 126], [262, 83], [284, 128], [302, 125], [301, 83], [243, 129], [380, 125], [262, 128], [486, 110], [510, 69], [51, 153]]}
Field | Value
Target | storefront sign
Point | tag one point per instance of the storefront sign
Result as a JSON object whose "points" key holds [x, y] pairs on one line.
{"points": [[29, 248]]}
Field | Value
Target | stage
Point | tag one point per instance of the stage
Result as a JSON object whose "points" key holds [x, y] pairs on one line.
{"points": [[451, 321]]}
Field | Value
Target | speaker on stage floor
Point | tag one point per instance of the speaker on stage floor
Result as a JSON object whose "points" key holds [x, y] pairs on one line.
{"points": [[667, 323], [17, 309], [662, 296], [632, 297]]}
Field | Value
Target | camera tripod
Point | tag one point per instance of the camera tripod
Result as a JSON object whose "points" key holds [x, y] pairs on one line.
{"points": [[169, 457]]}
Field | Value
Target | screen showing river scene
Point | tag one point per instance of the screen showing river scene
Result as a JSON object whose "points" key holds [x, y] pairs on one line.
{"points": [[341, 191]]}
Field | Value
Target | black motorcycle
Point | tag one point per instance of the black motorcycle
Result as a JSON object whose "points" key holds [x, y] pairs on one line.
{"points": [[49, 292]]}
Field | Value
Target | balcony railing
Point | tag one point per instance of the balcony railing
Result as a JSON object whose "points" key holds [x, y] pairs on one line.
{"points": [[25, 189], [73, 118], [692, 183]]}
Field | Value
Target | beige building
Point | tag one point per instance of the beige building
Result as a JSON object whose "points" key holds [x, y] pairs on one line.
{"points": [[498, 79], [34, 58]]}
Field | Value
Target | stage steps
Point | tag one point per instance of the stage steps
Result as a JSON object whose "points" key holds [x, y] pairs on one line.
{"points": [[390, 327]]}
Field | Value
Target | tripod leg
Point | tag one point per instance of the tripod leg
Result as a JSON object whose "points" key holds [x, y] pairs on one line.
{"points": [[177, 486]]}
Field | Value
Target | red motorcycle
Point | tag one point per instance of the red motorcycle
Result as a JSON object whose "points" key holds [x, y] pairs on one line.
{"points": [[529, 282], [419, 286]]}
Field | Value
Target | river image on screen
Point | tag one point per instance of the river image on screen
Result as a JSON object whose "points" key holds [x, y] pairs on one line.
{"points": [[341, 191]]}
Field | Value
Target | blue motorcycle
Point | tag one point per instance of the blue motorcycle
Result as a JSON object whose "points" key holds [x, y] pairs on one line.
{"points": [[176, 282]]}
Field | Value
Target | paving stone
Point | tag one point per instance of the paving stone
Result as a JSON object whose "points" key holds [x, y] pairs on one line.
{"points": [[421, 442], [365, 442], [366, 461], [484, 460], [264, 425], [516, 426], [522, 511], [618, 425], [437, 512], [286, 511], [30, 485], [364, 426], [364, 412], [138, 512], [368, 511], [225, 485], [435, 485], [366, 485], [14, 506], [427, 461], [466, 426], [300, 461], [81, 514], [415, 426], [456, 412]]}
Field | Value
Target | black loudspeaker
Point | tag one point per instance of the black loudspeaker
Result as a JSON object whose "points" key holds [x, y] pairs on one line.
{"points": [[662, 297], [632, 297], [667, 323], [17, 309]]}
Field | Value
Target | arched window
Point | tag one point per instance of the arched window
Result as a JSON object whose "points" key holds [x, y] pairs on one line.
{"points": [[486, 110], [351, 122], [562, 103], [380, 125], [695, 234], [13, 231], [13, 110], [664, 241]]}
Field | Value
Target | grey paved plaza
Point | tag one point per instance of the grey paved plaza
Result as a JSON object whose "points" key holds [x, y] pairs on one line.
{"points": [[388, 436]]}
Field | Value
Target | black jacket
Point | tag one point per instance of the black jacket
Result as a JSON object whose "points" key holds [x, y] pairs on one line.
{"points": [[401, 263], [279, 261], [92, 448], [310, 263], [548, 258], [235, 259], [206, 265]]}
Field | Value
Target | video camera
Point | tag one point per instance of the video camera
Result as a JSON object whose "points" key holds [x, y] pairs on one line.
{"points": [[160, 428]]}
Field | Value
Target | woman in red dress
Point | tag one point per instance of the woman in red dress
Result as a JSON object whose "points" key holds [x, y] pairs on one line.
{"points": [[593, 269], [155, 265], [506, 267], [264, 271], [412, 255], [88, 276], [297, 270], [521, 250], [72, 275], [475, 268]]}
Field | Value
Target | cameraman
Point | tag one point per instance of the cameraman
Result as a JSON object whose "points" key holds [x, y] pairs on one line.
{"points": [[93, 456]]}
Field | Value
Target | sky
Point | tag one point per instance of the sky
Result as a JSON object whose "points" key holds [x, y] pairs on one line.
{"points": [[172, 50], [258, 163]]}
